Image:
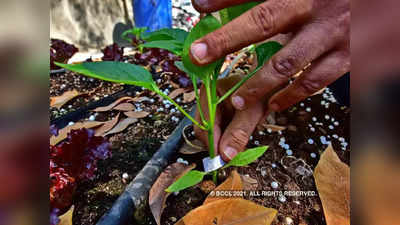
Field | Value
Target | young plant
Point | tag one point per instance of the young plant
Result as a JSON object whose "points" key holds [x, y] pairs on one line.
{"points": [[179, 42]]}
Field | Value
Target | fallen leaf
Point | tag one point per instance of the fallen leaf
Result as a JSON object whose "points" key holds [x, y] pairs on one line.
{"points": [[196, 146], [59, 101], [112, 105], [136, 114], [122, 125], [124, 107], [249, 184], [232, 183], [158, 195], [189, 97], [141, 99], [274, 128], [207, 186], [107, 126], [232, 211], [332, 178], [175, 93], [63, 133], [66, 218]]}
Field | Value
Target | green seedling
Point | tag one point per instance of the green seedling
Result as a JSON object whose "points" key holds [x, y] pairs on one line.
{"points": [[179, 42]]}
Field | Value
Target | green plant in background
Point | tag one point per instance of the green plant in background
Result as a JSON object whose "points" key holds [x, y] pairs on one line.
{"points": [[179, 41]]}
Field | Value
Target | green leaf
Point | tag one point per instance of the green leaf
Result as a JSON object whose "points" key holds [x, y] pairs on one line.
{"points": [[166, 34], [224, 15], [247, 157], [170, 45], [181, 67], [189, 179], [118, 72], [265, 51], [206, 25], [237, 10], [136, 31]]}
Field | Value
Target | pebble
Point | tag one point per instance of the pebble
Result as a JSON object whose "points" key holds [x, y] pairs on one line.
{"points": [[261, 132], [176, 193], [256, 142], [289, 221], [282, 198], [180, 160], [341, 139], [313, 155], [335, 136], [336, 123], [323, 140], [192, 133], [308, 109], [331, 127], [273, 165], [71, 123], [289, 152], [125, 176], [92, 118], [173, 219], [269, 130], [274, 184], [279, 132], [314, 119], [151, 100], [251, 138], [173, 110], [310, 141], [286, 146], [327, 117], [302, 104], [312, 129]]}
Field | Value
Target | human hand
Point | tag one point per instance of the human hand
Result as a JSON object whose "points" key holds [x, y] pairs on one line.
{"points": [[320, 36]]}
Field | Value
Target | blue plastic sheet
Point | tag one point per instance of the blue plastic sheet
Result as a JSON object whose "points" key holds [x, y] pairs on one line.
{"points": [[154, 14]]}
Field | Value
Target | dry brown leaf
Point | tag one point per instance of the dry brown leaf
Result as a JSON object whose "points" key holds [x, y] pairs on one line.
{"points": [[189, 97], [112, 105], [274, 128], [195, 147], [232, 211], [249, 183], [107, 126], [175, 93], [158, 195], [124, 107], [332, 178], [122, 125], [63, 133], [137, 115], [233, 183], [66, 218], [59, 101], [141, 99]]}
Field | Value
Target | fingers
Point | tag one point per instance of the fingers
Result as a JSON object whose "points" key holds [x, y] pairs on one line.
{"points": [[259, 23], [208, 6], [319, 75], [307, 45], [236, 135]]}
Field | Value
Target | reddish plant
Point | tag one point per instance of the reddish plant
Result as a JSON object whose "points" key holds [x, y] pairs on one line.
{"points": [[60, 51]]}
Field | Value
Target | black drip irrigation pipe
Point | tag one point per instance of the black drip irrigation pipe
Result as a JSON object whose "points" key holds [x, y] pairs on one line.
{"points": [[83, 111], [136, 193]]}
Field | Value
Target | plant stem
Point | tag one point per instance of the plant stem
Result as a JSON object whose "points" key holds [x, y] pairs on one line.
{"points": [[194, 81], [180, 109], [210, 127], [215, 178]]}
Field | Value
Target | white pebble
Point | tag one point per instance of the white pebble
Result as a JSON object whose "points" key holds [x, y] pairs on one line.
{"points": [[192, 133], [251, 137], [92, 118], [302, 104], [125, 176], [341, 139], [333, 119], [313, 155], [269, 130], [323, 140], [336, 123], [167, 106], [314, 119], [310, 141], [256, 142], [308, 109], [282, 198], [327, 117], [176, 193], [289, 152], [173, 110], [261, 132], [312, 129], [71, 123], [151, 100], [331, 127], [289, 221], [274, 185], [335, 136], [273, 165], [286, 146], [279, 132]]}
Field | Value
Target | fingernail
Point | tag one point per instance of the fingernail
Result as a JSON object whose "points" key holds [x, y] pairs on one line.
{"points": [[230, 152], [199, 50], [274, 107], [238, 102]]}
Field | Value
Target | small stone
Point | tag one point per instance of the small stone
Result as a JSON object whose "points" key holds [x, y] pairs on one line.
{"points": [[273, 165], [282, 198], [71, 123], [313, 155], [125, 176], [302, 104], [173, 219], [151, 100], [310, 141], [331, 127], [335, 136], [312, 129], [308, 109], [176, 193], [274, 184], [341, 139], [289, 221], [314, 119], [336, 123], [256, 142], [289, 152], [251, 138], [269, 130], [261, 132], [92, 118]]}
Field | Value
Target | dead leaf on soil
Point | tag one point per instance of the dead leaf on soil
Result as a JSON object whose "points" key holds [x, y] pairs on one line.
{"points": [[122, 125], [232, 211], [332, 178], [141, 99], [137, 115], [232, 183], [107, 126], [249, 183], [124, 107], [158, 195], [59, 101], [189, 97], [112, 105], [196, 146], [175, 93], [274, 128], [63, 133], [66, 218]]}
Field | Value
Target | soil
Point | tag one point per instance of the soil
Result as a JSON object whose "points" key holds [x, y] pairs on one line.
{"points": [[276, 165]]}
